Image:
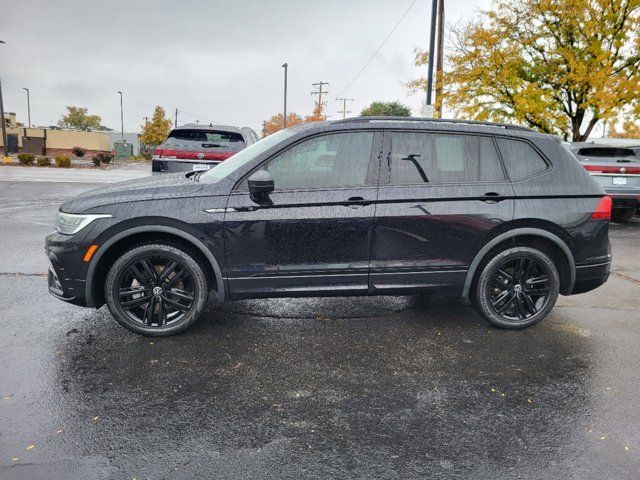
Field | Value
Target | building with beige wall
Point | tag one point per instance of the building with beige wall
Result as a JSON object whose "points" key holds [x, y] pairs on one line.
{"points": [[51, 141]]}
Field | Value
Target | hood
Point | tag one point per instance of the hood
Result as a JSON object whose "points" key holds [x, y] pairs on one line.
{"points": [[156, 187]]}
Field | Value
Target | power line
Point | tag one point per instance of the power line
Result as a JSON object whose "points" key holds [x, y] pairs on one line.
{"points": [[379, 48], [196, 116]]}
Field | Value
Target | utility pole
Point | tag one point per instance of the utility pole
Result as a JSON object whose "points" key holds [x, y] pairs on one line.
{"points": [[28, 107], [264, 128], [176, 118], [344, 110], [320, 92], [440, 61], [121, 117], [284, 114], [146, 120], [432, 41]]}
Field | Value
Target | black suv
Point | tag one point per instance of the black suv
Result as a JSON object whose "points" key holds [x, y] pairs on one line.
{"points": [[497, 214]]}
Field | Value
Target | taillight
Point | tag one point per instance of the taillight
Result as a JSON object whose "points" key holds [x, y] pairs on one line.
{"points": [[609, 169], [603, 209], [157, 152]]}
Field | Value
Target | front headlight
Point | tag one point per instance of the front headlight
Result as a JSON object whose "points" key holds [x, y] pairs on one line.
{"points": [[69, 223]]}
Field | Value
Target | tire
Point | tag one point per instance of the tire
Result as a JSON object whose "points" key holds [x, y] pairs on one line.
{"points": [[156, 289], [622, 215], [516, 288]]}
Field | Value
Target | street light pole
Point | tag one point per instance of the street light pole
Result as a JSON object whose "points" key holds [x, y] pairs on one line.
{"points": [[440, 60], [121, 117], [284, 114], [432, 41], [2, 120], [28, 107]]}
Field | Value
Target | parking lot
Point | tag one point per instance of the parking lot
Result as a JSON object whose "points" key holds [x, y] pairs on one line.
{"points": [[384, 387]]}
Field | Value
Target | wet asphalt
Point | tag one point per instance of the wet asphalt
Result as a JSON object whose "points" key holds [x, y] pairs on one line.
{"points": [[388, 387]]}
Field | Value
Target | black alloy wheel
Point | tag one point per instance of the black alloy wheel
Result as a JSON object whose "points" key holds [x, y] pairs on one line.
{"points": [[517, 288], [156, 289]]}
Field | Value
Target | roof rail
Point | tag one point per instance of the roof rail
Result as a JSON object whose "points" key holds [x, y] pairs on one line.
{"points": [[432, 120]]}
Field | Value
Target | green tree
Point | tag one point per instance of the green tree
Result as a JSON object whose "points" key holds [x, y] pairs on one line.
{"points": [[559, 66], [386, 109], [155, 131], [78, 118]]}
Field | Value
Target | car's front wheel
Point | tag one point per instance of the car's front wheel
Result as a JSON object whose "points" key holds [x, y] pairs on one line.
{"points": [[516, 288], [156, 289]]}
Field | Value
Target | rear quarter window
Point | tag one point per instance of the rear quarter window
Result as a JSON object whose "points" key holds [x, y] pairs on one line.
{"points": [[520, 159]]}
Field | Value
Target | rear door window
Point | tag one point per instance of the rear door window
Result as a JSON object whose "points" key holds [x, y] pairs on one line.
{"points": [[204, 140], [520, 159], [418, 157]]}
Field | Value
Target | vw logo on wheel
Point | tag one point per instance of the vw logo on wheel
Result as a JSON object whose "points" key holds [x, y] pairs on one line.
{"points": [[201, 155]]}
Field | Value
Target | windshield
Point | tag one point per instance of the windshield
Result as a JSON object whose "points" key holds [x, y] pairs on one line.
{"points": [[240, 159]]}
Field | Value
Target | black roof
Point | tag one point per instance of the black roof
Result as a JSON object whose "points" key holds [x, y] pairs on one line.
{"points": [[432, 121], [417, 123], [200, 126]]}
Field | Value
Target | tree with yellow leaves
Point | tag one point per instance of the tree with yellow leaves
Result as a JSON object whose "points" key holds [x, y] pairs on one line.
{"points": [[630, 129], [275, 123], [155, 131], [317, 115], [559, 66]]}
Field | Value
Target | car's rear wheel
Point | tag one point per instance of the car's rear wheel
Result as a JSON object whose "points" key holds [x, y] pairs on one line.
{"points": [[516, 288], [156, 289]]}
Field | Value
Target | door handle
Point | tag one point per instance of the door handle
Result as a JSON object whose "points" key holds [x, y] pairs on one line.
{"points": [[356, 199], [492, 197]]}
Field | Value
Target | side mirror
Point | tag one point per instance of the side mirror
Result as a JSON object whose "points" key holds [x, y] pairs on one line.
{"points": [[260, 184]]}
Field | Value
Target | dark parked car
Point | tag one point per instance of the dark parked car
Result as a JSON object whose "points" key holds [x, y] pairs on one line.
{"points": [[193, 148], [497, 214], [617, 171]]}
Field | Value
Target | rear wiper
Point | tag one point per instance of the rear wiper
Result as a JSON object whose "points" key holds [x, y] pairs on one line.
{"points": [[214, 145]]}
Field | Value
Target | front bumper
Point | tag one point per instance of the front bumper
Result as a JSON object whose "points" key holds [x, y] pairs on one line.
{"points": [[66, 276]]}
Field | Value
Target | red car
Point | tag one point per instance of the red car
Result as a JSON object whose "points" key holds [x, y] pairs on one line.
{"points": [[198, 148]]}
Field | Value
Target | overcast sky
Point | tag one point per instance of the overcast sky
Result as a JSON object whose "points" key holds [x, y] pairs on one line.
{"points": [[218, 60]]}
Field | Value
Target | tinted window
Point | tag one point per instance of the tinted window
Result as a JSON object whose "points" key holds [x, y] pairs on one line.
{"points": [[205, 140], [239, 160], [606, 152], [432, 158], [338, 160], [520, 159]]}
